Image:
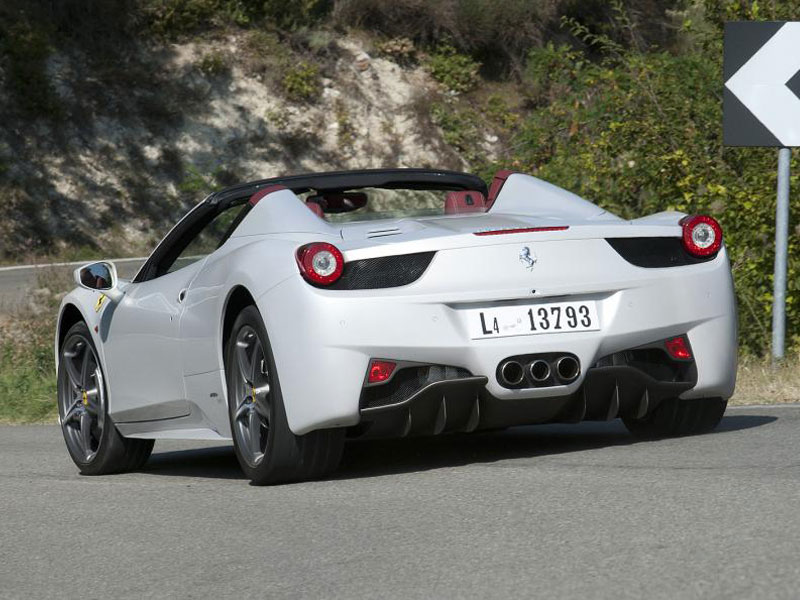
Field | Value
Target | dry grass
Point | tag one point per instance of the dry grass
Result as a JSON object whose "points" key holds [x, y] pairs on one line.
{"points": [[27, 373], [760, 383]]}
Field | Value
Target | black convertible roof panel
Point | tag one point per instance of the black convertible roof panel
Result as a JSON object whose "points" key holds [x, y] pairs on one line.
{"points": [[338, 181]]}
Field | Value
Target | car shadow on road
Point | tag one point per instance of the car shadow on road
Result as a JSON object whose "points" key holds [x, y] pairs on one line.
{"points": [[218, 462], [372, 458]]}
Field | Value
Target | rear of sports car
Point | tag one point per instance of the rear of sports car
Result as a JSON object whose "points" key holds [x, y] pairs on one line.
{"points": [[492, 319]]}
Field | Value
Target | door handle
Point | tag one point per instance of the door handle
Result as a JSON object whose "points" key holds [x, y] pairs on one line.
{"points": [[181, 296]]}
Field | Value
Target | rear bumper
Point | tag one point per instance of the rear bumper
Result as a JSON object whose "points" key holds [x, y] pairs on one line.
{"points": [[323, 341], [464, 405]]}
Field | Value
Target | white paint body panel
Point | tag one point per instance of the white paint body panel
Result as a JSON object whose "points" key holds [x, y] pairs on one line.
{"points": [[156, 350]]}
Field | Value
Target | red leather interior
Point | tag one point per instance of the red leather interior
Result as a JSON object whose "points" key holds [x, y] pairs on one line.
{"points": [[316, 209], [497, 184], [265, 192], [456, 203]]}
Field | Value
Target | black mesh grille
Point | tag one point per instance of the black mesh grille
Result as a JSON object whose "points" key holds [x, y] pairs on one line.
{"points": [[655, 252], [383, 272], [406, 382]]}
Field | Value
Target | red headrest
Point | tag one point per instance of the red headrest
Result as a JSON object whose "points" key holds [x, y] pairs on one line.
{"points": [[265, 192], [497, 184], [316, 208], [456, 203]]}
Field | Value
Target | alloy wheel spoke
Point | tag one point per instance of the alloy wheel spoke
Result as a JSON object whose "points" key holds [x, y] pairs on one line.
{"points": [[256, 362], [254, 428], [98, 399], [86, 433], [72, 372], [244, 361], [262, 409], [72, 412], [86, 361], [241, 410]]}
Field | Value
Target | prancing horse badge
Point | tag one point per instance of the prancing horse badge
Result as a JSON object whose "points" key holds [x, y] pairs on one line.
{"points": [[527, 258]]}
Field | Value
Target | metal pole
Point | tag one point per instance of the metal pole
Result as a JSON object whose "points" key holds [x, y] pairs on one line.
{"points": [[781, 251]]}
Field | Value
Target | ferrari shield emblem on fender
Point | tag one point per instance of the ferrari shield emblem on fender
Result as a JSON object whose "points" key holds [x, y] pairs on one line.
{"points": [[527, 258], [99, 304]]}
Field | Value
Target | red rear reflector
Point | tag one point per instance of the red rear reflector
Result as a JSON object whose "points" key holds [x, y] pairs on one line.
{"points": [[380, 371], [521, 230], [678, 348]]}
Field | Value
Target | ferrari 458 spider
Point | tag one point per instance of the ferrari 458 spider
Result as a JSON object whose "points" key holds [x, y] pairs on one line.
{"points": [[292, 313]]}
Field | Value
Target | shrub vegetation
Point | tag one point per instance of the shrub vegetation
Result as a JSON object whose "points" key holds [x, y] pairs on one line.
{"points": [[456, 72]]}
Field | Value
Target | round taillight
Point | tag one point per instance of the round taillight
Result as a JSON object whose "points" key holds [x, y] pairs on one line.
{"points": [[320, 263], [702, 235]]}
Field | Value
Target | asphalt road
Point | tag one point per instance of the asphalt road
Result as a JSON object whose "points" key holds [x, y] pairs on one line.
{"points": [[554, 512], [16, 282]]}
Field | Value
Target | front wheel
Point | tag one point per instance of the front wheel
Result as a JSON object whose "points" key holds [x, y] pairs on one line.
{"points": [[266, 448], [93, 442], [675, 417]]}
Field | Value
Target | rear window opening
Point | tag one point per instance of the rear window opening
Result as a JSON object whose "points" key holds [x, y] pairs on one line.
{"points": [[368, 204]]}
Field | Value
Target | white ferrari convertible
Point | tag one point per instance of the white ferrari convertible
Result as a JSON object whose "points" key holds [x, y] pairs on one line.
{"points": [[290, 314]]}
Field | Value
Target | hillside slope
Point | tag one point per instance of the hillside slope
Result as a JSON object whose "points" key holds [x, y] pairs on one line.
{"points": [[116, 165]]}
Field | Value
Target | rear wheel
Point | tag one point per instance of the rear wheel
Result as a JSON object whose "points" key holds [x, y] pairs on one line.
{"points": [[676, 417], [266, 448], [93, 442]]}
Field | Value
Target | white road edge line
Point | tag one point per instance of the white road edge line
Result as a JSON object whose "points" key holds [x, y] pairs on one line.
{"points": [[70, 264]]}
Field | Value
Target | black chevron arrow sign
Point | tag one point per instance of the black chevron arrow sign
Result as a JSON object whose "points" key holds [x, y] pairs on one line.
{"points": [[761, 101]]}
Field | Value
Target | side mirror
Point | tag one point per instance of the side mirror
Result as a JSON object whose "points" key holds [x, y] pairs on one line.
{"points": [[99, 277]]}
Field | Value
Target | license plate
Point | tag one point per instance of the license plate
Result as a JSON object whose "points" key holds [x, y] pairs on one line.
{"points": [[556, 317]]}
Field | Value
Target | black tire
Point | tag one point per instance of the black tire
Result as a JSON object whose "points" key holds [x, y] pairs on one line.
{"points": [[108, 451], [675, 417], [281, 456]]}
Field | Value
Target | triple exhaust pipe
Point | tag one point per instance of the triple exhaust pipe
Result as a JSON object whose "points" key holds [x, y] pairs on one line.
{"points": [[558, 370]]}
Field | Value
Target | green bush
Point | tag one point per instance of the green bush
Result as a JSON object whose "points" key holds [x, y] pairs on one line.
{"points": [[301, 81], [294, 14], [499, 112], [457, 72], [550, 70], [399, 50], [213, 64], [641, 132], [26, 49], [345, 132], [460, 128], [174, 18]]}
